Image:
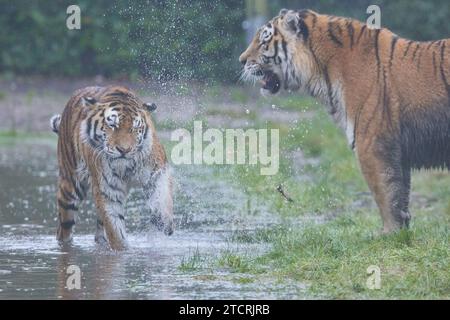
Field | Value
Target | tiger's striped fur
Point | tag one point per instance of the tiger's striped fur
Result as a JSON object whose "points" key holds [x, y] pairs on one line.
{"points": [[106, 140], [391, 96]]}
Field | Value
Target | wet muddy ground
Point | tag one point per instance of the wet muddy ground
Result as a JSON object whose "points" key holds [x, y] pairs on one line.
{"points": [[208, 211]]}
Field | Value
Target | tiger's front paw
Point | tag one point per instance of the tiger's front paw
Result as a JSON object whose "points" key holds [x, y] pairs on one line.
{"points": [[117, 239], [169, 228], [64, 234], [166, 225], [101, 240]]}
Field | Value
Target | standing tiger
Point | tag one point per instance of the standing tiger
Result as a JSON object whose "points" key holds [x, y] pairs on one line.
{"points": [[391, 96], [106, 139]]}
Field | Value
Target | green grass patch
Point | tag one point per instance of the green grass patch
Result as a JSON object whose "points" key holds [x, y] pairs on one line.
{"points": [[235, 261], [291, 102], [16, 137], [239, 95], [192, 262], [233, 114], [333, 258]]}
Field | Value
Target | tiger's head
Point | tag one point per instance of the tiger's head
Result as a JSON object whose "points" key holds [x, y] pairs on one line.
{"points": [[118, 125], [279, 55]]}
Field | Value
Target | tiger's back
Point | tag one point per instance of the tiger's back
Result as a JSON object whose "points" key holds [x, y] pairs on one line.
{"points": [[407, 94]]}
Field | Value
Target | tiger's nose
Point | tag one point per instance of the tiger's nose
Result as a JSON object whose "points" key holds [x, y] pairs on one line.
{"points": [[123, 151], [243, 59]]}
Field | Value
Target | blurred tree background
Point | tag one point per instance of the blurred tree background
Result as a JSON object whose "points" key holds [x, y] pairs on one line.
{"points": [[164, 40]]}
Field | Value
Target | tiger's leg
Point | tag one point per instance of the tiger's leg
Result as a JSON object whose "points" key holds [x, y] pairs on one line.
{"points": [[405, 197], [69, 197], [158, 189], [389, 183], [110, 197], [100, 235]]}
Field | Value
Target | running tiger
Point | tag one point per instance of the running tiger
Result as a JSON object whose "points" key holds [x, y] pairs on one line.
{"points": [[391, 96], [106, 140]]}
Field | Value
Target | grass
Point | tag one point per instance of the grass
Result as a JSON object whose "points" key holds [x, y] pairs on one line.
{"points": [[332, 257], [11, 137], [230, 259], [192, 262]]}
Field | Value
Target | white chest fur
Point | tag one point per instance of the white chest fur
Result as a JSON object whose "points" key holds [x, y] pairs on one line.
{"points": [[333, 98]]}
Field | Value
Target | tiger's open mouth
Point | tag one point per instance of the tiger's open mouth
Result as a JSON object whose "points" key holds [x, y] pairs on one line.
{"points": [[271, 82]]}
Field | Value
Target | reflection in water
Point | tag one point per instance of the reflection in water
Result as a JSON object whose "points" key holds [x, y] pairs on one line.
{"points": [[32, 265], [98, 277]]}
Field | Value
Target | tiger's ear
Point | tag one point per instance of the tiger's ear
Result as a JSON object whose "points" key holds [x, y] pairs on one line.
{"points": [[89, 101], [283, 12], [291, 19], [294, 22], [150, 107]]}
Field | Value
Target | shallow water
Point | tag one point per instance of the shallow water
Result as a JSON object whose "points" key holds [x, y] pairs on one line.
{"points": [[208, 211]]}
